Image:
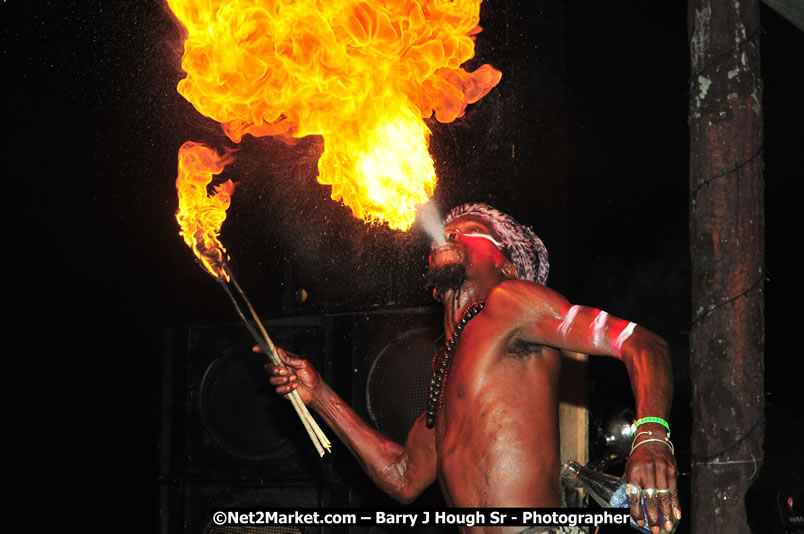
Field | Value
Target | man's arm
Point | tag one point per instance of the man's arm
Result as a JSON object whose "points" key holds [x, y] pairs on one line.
{"points": [[402, 472], [651, 463], [549, 319]]}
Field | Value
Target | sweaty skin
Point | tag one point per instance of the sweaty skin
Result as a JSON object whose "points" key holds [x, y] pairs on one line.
{"points": [[495, 441], [497, 445]]}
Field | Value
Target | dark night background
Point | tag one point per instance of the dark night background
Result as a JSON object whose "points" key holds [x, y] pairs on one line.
{"points": [[585, 139]]}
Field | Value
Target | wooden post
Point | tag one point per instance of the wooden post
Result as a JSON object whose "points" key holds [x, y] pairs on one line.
{"points": [[573, 416], [727, 251]]}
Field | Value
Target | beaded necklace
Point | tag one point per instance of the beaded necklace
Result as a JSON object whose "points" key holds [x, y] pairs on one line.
{"points": [[442, 360]]}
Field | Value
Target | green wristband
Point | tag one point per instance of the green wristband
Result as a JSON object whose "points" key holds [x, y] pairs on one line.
{"points": [[652, 420]]}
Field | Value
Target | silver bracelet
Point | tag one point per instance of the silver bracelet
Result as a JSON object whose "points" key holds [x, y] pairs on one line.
{"points": [[665, 441], [647, 433]]}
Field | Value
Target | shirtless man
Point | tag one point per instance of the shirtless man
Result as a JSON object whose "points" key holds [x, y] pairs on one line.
{"points": [[494, 409]]}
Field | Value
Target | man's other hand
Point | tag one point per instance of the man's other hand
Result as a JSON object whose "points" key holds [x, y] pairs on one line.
{"points": [[297, 374], [652, 468]]}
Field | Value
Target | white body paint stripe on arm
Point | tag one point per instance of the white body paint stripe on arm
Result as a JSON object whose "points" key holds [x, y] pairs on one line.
{"points": [[599, 327], [564, 327], [625, 334]]}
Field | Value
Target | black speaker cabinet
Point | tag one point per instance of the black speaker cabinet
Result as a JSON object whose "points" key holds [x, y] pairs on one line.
{"points": [[227, 440], [188, 506], [392, 353], [221, 418]]}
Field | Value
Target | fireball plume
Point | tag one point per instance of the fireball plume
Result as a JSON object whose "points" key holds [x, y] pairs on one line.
{"points": [[363, 75]]}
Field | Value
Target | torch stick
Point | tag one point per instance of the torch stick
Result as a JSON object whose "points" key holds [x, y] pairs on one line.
{"points": [[317, 436]]}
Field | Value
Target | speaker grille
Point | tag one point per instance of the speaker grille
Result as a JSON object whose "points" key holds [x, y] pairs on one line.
{"points": [[396, 389], [241, 412]]}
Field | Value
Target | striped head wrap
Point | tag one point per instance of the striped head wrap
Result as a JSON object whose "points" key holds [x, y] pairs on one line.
{"points": [[526, 250]]}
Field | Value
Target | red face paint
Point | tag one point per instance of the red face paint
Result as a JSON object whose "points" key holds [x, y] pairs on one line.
{"points": [[482, 245]]}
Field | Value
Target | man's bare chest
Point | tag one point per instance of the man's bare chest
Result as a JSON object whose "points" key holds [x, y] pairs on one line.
{"points": [[494, 385]]}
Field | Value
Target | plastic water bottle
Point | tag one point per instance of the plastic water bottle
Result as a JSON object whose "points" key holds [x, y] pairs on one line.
{"points": [[607, 490]]}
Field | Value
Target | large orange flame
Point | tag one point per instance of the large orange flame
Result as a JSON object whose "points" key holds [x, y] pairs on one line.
{"points": [[201, 215], [361, 74]]}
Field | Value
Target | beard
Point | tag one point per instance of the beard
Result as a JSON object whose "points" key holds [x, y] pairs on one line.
{"points": [[451, 276]]}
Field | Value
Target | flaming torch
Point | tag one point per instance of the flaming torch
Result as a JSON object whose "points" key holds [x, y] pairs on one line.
{"points": [[200, 217]]}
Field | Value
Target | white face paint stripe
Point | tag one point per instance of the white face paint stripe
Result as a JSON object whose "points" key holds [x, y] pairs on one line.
{"points": [[625, 334], [486, 236], [564, 327], [600, 327]]}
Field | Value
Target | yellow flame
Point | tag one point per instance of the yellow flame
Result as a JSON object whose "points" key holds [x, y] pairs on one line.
{"points": [[201, 215], [363, 75]]}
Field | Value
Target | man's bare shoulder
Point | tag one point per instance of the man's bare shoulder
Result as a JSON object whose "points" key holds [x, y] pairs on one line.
{"points": [[527, 299], [528, 309], [525, 294]]}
